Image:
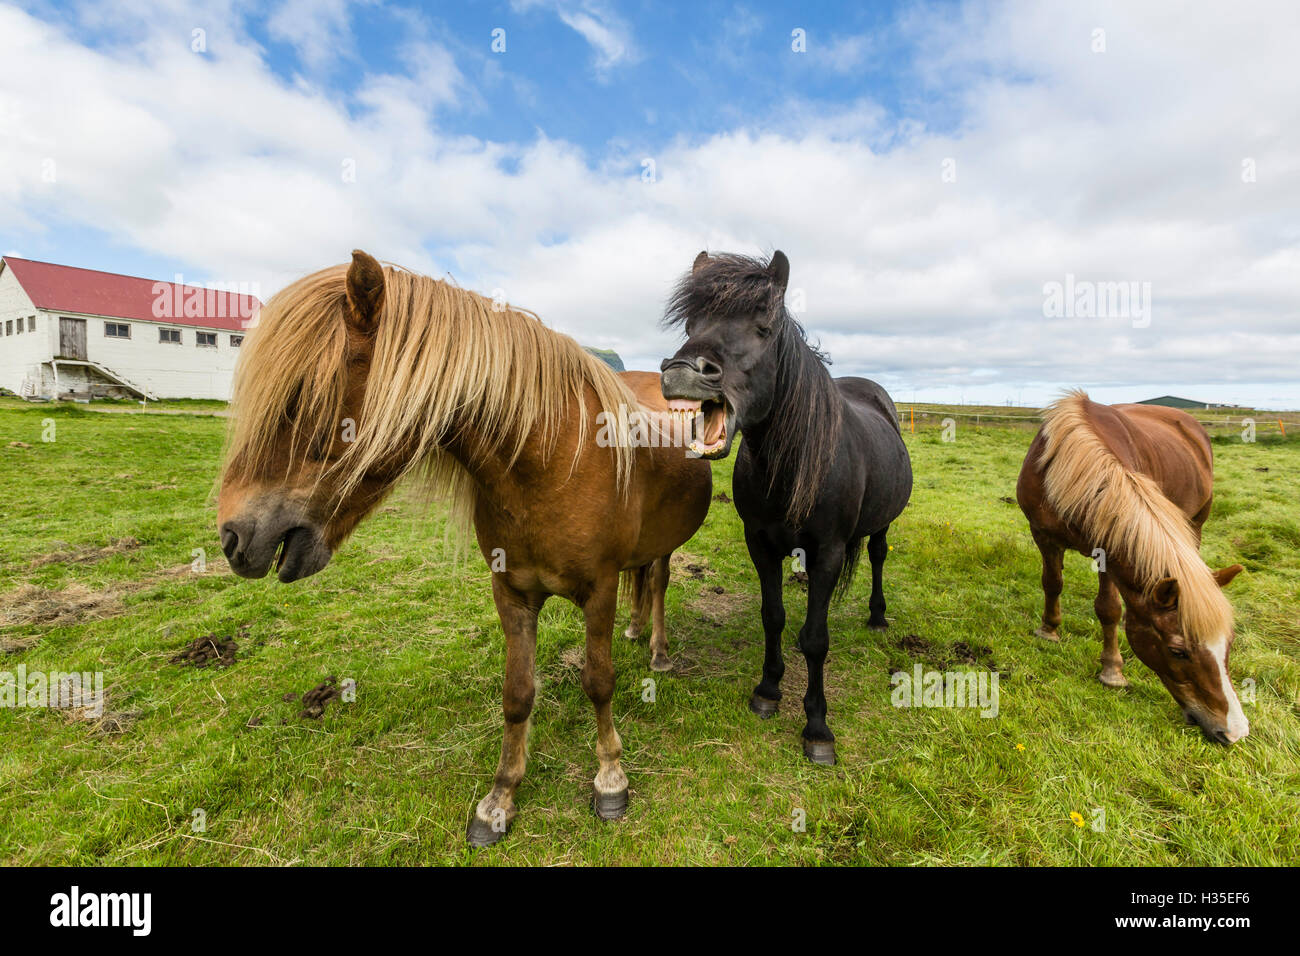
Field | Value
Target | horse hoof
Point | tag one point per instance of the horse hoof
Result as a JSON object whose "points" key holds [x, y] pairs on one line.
{"points": [[1113, 679], [878, 625], [820, 752], [762, 706], [610, 806], [661, 663], [632, 635], [1047, 635], [480, 833]]}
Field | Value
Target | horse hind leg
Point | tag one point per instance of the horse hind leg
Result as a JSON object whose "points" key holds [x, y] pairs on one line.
{"points": [[1053, 581], [638, 599], [657, 587], [1108, 609], [494, 813], [877, 551]]}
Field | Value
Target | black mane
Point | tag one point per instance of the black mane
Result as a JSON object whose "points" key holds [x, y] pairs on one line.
{"points": [[734, 286]]}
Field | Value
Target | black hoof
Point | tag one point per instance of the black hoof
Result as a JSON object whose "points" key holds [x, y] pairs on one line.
{"points": [[763, 706], [610, 806], [821, 752], [878, 625], [480, 833]]}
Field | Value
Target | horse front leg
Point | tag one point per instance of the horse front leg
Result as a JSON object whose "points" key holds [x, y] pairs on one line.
{"points": [[610, 798], [1108, 610], [766, 697], [518, 612], [814, 641]]}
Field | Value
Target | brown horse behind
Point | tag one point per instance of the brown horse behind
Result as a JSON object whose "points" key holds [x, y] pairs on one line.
{"points": [[1130, 486], [359, 375]]}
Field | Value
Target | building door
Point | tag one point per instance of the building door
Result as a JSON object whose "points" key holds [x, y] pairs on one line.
{"points": [[72, 338]]}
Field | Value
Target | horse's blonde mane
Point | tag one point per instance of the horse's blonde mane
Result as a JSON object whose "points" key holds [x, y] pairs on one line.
{"points": [[443, 359], [1126, 513]]}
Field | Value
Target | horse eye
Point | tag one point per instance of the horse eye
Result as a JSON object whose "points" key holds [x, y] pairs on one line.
{"points": [[1179, 653]]}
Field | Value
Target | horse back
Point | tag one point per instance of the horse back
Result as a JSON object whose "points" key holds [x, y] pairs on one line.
{"points": [[1166, 444], [868, 398]]}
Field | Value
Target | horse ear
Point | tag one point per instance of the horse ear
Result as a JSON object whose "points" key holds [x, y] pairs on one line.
{"points": [[1224, 576], [1165, 594], [779, 269], [365, 288], [702, 258]]}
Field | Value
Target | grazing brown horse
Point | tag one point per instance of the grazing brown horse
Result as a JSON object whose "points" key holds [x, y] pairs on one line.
{"points": [[361, 374], [1130, 486]]}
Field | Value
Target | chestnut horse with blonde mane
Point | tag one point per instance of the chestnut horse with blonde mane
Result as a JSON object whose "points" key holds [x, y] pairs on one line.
{"points": [[1131, 486], [360, 375]]}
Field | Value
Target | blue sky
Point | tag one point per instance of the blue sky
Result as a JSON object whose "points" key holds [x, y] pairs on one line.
{"points": [[931, 168]]}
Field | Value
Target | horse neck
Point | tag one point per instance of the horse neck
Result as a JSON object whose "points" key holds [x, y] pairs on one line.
{"points": [[504, 477], [758, 436]]}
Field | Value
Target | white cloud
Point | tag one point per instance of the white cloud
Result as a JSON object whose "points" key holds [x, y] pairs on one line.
{"points": [[1123, 165], [608, 36], [317, 29]]}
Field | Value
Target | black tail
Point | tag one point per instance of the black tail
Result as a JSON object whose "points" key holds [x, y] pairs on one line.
{"points": [[852, 552]]}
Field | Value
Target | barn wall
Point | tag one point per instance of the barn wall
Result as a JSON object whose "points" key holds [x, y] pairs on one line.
{"points": [[20, 355], [169, 371]]}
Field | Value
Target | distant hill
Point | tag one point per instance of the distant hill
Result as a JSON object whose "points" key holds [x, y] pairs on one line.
{"points": [[608, 356], [1173, 401]]}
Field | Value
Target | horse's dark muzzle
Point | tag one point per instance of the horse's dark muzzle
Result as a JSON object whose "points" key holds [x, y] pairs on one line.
{"points": [[695, 378], [253, 548]]}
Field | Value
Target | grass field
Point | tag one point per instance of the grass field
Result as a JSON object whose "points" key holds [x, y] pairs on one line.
{"points": [[99, 529]]}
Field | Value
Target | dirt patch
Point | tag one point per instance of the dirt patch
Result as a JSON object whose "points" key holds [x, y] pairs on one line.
{"points": [[23, 444], [71, 604], [721, 497], [916, 649], [202, 651], [799, 578], [914, 645], [718, 606], [87, 554], [79, 703], [689, 567]]}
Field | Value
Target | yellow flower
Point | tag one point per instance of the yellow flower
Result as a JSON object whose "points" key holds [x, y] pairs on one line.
{"points": [[1077, 817], [1020, 746]]}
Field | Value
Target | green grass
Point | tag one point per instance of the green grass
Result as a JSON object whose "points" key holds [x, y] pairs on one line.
{"points": [[392, 777]]}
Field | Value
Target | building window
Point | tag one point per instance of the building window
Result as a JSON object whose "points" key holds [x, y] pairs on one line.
{"points": [[31, 323], [236, 341], [170, 335], [117, 330], [205, 339], [9, 327], [20, 325]]}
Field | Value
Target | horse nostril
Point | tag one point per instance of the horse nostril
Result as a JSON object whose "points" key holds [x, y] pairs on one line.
{"points": [[229, 540], [706, 368]]}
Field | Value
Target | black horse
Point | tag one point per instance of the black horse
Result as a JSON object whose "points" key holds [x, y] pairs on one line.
{"points": [[821, 467]]}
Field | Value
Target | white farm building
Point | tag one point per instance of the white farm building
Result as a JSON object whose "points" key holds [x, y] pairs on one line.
{"points": [[69, 332]]}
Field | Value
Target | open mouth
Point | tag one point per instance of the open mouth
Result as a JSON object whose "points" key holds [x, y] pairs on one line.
{"points": [[296, 556], [708, 420]]}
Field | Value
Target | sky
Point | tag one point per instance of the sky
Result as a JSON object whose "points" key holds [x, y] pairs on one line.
{"points": [[982, 202]]}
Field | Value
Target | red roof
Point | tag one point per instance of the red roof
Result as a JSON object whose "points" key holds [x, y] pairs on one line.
{"points": [[69, 289]]}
